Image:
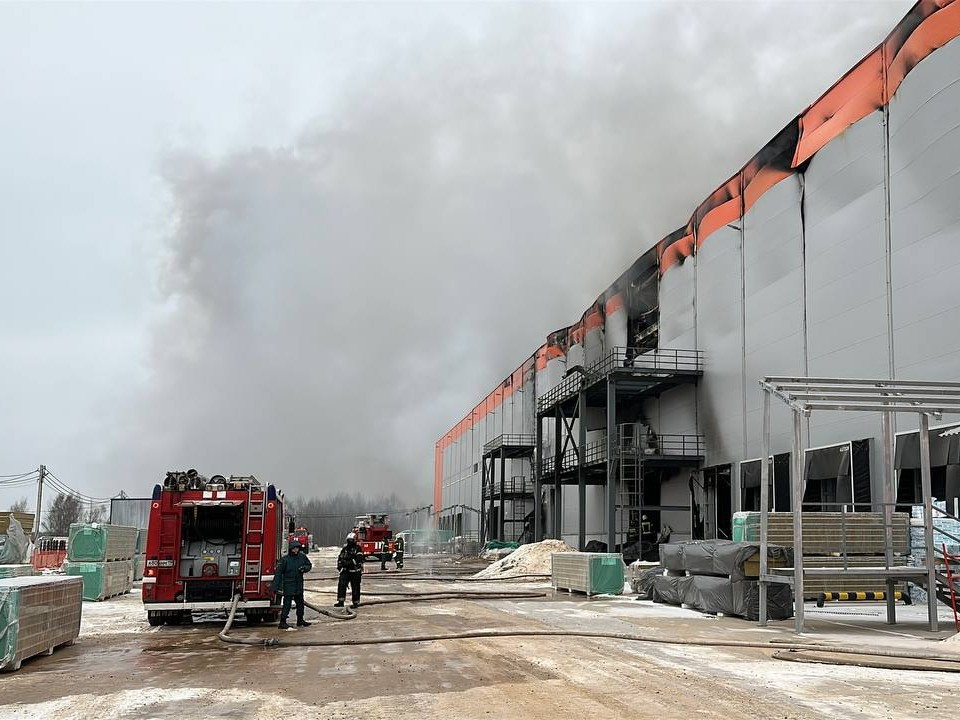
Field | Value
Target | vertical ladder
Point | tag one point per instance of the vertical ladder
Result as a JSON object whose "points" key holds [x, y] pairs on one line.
{"points": [[628, 481], [253, 553]]}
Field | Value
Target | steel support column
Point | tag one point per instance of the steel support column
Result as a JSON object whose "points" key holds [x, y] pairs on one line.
{"points": [[888, 499], [557, 467], [764, 503], [581, 472], [799, 485], [537, 500], [483, 499], [503, 487], [925, 484], [611, 465]]}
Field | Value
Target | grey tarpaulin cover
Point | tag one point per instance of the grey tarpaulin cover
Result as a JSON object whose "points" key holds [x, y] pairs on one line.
{"points": [[671, 556], [669, 590], [709, 594], [723, 558], [746, 600]]}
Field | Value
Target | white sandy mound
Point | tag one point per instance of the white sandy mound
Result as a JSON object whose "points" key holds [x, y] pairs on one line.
{"points": [[531, 559], [954, 640]]}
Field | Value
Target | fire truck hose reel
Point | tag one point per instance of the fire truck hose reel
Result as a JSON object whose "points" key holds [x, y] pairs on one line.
{"points": [[784, 650]]}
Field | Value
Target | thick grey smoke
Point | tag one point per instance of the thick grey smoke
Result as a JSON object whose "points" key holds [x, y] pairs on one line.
{"points": [[335, 304]]}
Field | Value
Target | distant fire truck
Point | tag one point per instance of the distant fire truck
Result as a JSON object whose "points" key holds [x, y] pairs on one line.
{"points": [[375, 537], [301, 535], [208, 540]]}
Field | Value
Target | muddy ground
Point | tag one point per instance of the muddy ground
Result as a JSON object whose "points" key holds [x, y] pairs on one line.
{"points": [[122, 668]]}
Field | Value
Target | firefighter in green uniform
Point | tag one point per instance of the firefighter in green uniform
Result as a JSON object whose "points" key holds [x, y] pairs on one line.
{"points": [[398, 555], [289, 581]]}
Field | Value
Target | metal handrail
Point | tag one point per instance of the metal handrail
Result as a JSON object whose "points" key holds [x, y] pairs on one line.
{"points": [[595, 452], [509, 440], [659, 362]]}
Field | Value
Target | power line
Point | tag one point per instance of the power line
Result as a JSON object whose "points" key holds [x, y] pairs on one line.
{"points": [[20, 475]]}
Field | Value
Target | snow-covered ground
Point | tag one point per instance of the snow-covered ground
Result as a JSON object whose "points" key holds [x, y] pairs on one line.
{"points": [[122, 614]]}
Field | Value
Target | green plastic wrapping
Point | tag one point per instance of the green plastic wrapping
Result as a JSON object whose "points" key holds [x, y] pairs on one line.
{"points": [[95, 542], [103, 580], [37, 614], [11, 571]]}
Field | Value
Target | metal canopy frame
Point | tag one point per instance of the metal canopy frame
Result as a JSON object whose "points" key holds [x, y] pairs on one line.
{"points": [[804, 395]]}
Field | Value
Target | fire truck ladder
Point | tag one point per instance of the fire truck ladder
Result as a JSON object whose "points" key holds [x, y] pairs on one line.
{"points": [[253, 552]]}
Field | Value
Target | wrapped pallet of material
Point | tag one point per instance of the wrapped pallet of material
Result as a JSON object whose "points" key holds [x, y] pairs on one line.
{"points": [[669, 589], [95, 542], [722, 558], [138, 565], [591, 573], [103, 580], [709, 594], [746, 600], [671, 556], [12, 571], [37, 614]]}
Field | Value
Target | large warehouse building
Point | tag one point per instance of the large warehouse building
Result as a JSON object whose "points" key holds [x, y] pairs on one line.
{"points": [[833, 252]]}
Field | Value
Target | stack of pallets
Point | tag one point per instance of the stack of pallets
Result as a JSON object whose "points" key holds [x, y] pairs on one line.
{"points": [[37, 614], [103, 556]]}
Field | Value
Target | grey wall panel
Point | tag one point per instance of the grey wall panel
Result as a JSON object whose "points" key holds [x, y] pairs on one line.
{"points": [[675, 412], [846, 270], [719, 329], [773, 308], [920, 100], [925, 218]]}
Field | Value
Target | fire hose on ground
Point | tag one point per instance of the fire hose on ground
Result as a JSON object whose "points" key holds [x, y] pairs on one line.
{"points": [[784, 649]]}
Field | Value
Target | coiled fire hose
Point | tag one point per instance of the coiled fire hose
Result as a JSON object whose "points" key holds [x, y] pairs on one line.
{"points": [[784, 650]]}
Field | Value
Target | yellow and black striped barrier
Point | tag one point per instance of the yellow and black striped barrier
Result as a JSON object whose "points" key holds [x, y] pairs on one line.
{"points": [[859, 597]]}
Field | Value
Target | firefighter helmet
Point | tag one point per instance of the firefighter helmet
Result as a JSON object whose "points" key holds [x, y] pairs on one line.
{"points": [[351, 537], [295, 544]]}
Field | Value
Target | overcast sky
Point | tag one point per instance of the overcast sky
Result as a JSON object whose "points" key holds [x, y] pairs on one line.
{"points": [[302, 240]]}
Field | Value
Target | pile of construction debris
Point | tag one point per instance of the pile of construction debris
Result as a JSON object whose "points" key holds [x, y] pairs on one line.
{"points": [[531, 559]]}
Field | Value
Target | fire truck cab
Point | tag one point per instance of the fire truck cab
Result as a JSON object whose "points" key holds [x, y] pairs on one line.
{"points": [[375, 537], [209, 540]]}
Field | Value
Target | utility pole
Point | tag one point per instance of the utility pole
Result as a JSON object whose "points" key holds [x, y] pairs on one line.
{"points": [[36, 519]]}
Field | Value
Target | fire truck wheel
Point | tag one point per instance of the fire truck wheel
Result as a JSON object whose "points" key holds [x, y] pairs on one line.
{"points": [[154, 618]]}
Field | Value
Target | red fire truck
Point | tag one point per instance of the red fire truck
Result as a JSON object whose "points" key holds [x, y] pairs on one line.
{"points": [[375, 537], [301, 535], [208, 540]]}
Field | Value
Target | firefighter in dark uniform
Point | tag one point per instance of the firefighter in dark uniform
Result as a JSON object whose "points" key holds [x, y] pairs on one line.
{"points": [[350, 566], [289, 581], [398, 554]]}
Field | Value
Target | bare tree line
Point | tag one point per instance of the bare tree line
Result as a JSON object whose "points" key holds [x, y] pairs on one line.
{"points": [[329, 519]]}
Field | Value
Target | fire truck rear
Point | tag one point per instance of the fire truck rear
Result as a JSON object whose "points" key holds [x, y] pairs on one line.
{"points": [[375, 537], [208, 540]]}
